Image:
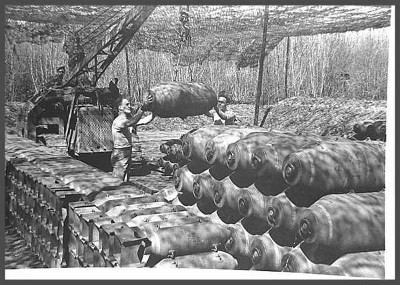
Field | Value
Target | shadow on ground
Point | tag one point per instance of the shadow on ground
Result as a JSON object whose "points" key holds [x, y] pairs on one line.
{"points": [[17, 253]]}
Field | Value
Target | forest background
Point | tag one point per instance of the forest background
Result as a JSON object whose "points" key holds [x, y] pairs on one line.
{"points": [[351, 65]]}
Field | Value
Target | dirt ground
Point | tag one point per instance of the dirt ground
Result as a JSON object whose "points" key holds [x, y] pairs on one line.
{"points": [[335, 116]]}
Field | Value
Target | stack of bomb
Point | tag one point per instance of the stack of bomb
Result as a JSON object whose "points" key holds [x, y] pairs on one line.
{"points": [[262, 183], [340, 234], [255, 164], [256, 161], [205, 149], [332, 211], [173, 158], [374, 130], [222, 169]]}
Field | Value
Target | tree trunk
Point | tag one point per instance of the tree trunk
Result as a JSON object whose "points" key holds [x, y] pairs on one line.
{"points": [[287, 66], [31, 67], [41, 77], [128, 78]]}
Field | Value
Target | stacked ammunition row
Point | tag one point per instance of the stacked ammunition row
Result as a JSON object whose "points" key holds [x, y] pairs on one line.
{"points": [[36, 198], [303, 203]]}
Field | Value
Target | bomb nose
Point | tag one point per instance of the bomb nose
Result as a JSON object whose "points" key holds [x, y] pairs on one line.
{"points": [[163, 148], [231, 158], [305, 229], [186, 149], [243, 206], [255, 161], [229, 244], [290, 171], [256, 256], [382, 131], [271, 216], [196, 190], [217, 198], [177, 180], [209, 154]]}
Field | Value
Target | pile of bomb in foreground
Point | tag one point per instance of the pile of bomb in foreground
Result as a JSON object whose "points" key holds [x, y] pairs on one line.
{"points": [[240, 197]]}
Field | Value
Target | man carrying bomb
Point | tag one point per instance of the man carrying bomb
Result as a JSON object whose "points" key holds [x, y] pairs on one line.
{"points": [[220, 113], [123, 135]]}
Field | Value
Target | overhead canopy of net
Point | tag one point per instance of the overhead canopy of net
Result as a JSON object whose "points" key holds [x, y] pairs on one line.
{"points": [[216, 32]]}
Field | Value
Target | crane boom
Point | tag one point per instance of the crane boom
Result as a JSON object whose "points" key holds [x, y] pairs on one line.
{"points": [[111, 45], [50, 107]]}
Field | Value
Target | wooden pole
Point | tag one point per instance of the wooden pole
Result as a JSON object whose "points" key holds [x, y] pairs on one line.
{"points": [[261, 66], [287, 66], [265, 116], [127, 73]]}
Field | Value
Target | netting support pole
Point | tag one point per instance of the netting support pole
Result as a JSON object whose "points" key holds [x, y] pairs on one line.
{"points": [[261, 66], [128, 78]]}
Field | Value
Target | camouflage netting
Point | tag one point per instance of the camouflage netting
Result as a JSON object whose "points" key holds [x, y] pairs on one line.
{"points": [[217, 32]]}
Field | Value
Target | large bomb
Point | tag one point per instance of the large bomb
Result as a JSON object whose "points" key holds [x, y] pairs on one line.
{"points": [[225, 199], [252, 203], [215, 148], [180, 99], [183, 182], [238, 245], [266, 254], [149, 228], [187, 239], [334, 167], [369, 264], [165, 146], [203, 260], [360, 129], [267, 159], [338, 224], [238, 154], [377, 130], [203, 185], [193, 144], [296, 261], [282, 215]]}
